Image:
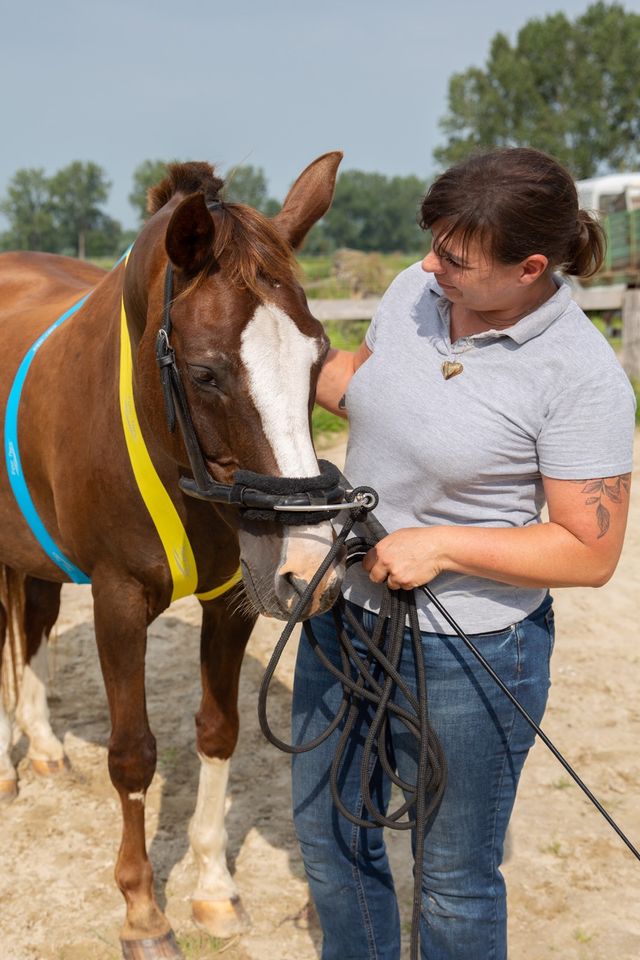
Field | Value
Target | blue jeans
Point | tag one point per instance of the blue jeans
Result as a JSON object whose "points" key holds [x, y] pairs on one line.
{"points": [[485, 742]]}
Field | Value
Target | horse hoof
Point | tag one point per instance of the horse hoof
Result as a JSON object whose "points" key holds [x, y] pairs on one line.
{"points": [[8, 790], [157, 948], [50, 768], [220, 918]]}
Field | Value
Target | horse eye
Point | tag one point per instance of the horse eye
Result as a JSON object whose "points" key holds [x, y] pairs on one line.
{"points": [[203, 376], [270, 281]]}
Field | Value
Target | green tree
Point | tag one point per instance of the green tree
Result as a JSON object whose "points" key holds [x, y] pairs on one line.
{"points": [[373, 212], [248, 184], [27, 206], [146, 175], [76, 194], [571, 89]]}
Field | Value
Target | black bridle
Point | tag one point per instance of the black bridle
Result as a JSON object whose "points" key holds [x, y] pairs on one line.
{"points": [[290, 500]]}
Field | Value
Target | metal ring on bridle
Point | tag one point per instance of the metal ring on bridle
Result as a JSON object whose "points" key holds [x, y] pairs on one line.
{"points": [[364, 500]]}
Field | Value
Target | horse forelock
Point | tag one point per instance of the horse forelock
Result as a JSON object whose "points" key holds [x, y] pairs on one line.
{"points": [[250, 251], [246, 244], [186, 178]]}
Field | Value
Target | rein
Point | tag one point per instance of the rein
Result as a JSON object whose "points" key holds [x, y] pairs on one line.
{"points": [[374, 680]]}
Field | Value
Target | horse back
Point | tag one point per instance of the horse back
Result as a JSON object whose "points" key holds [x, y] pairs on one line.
{"points": [[42, 283]]}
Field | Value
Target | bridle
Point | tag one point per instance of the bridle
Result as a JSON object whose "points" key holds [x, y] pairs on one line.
{"points": [[289, 500]]}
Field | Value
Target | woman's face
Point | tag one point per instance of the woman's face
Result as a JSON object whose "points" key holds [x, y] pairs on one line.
{"points": [[473, 279]]}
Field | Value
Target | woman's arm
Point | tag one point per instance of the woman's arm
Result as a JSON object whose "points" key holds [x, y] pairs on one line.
{"points": [[337, 370], [579, 545]]}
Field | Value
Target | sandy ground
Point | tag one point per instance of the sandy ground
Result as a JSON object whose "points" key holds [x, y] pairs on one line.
{"points": [[574, 888]]}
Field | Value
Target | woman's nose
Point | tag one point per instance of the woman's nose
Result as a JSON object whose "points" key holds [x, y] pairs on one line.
{"points": [[431, 263]]}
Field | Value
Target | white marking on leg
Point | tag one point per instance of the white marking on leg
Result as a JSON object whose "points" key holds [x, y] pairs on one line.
{"points": [[32, 712], [208, 835], [139, 796], [7, 771]]}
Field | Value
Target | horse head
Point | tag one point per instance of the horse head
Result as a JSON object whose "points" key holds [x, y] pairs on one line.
{"points": [[248, 353]]}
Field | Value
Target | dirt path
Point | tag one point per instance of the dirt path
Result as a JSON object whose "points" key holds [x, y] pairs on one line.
{"points": [[574, 888]]}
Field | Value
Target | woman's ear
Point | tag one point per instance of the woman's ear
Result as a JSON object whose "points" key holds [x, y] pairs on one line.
{"points": [[533, 267]]}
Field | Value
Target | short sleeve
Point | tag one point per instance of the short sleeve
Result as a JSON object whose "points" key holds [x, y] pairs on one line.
{"points": [[589, 428]]}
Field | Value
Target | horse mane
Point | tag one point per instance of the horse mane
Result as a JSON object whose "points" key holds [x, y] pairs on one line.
{"points": [[246, 243]]}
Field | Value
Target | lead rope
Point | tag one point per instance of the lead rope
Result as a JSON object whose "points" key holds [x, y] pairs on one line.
{"points": [[371, 682], [383, 654]]}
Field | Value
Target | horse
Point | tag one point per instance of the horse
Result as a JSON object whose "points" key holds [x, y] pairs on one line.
{"points": [[203, 323]]}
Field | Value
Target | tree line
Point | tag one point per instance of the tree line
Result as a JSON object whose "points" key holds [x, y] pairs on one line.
{"points": [[65, 213], [570, 88]]}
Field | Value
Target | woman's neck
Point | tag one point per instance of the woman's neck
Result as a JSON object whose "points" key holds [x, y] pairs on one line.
{"points": [[466, 322]]}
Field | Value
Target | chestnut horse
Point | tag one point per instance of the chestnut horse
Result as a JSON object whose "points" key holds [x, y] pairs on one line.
{"points": [[86, 426]]}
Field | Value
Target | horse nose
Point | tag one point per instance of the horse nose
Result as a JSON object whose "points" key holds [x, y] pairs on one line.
{"points": [[292, 588], [298, 584]]}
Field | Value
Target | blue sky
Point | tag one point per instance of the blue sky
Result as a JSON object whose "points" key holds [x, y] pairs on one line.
{"points": [[272, 83]]}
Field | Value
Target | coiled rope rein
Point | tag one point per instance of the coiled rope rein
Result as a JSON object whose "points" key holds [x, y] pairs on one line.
{"points": [[375, 680]]}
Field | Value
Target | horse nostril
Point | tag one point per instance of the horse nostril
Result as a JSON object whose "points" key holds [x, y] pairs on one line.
{"points": [[298, 584]]}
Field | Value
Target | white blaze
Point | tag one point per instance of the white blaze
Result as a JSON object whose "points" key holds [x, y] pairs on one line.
{"points": [[278, 360]]}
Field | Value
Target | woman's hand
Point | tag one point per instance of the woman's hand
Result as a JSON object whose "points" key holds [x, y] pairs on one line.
{"points": [[406, 558], [578, 547]]}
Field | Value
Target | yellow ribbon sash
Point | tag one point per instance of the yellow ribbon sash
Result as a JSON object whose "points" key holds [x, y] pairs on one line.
{"points": [[167, 522]]}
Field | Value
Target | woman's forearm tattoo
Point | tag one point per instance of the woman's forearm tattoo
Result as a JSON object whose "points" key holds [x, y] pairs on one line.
{"points": [[599, 491]]}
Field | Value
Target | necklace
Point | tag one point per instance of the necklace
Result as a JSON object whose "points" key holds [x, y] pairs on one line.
{"points": [[451, 368]]}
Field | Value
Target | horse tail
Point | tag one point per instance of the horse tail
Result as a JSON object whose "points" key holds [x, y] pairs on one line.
{"points": [[12, 654]]}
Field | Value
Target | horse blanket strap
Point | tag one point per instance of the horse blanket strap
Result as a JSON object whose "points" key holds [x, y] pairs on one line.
{"points": [[162, 510], [14, 464]]}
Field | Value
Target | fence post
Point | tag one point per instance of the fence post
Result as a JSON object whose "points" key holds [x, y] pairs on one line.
{"points": [[631, 333]]}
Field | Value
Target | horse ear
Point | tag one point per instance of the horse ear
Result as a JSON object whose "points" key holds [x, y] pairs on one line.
{"points": [[189, 235], [309, 198]]}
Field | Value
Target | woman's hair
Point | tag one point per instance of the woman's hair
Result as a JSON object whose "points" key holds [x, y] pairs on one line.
{"points": [[516, 202]]}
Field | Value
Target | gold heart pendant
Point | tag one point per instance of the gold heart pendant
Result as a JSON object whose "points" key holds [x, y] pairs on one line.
{"points": [[450, 369]]}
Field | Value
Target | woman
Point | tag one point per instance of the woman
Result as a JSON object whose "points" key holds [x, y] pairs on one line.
{"points": [[481, 392]]}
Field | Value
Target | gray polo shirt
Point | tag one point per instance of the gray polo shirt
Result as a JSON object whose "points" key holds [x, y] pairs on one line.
{"points": [[545, 397]]}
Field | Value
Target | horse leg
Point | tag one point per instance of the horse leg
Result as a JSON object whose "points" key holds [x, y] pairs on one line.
{"points": [[120, 610], [216, 905], [41, 609], [8, 777]]}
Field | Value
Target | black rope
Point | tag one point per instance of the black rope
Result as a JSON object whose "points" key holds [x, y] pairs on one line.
{"points": [[374, 680], [371, 683]]}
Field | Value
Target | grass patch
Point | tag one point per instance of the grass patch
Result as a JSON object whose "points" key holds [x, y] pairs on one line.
{"points": [[636, 389], [327, 428], [352, 273], [200, 946], [554, 848]]}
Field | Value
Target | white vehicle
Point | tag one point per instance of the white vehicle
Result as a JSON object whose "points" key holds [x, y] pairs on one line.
{"points": [[612, 193]]}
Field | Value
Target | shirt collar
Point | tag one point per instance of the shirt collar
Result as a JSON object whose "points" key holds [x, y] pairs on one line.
{"points": [[530, 326]]}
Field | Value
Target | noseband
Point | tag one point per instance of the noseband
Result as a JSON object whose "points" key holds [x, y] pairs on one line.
{"points": [[289, 500]]}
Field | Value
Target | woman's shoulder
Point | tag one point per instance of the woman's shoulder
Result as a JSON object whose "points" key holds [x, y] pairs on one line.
{"points": [[410, 287]]}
